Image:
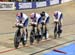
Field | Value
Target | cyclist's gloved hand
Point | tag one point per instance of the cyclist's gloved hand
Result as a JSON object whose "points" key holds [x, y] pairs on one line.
{"points": [[19, 24]]}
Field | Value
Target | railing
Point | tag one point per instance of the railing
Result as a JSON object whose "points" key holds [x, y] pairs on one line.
{"points": [[29, 5]]}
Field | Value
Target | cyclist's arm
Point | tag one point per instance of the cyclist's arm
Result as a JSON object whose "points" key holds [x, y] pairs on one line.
{"points": [[18, 23]]}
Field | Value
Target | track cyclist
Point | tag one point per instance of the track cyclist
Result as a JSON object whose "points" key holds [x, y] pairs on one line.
{"points": [[45, 20], [22, 21], [58, 17], [35, 23]]}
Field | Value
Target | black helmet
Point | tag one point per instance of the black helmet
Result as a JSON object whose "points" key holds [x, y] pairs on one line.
{"points": [[43, 13]]}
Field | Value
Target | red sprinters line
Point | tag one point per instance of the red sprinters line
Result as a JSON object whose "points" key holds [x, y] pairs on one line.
{"points": [[7, 50], [12, 49]]}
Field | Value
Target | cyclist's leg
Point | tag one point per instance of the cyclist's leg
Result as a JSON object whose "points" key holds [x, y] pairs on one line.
{"points": [[21, 36], [25, 24], [26, 33], [24, 37], [47, 22], [41, 31], [38, 35], [46, 32], [59, 29], [24, 30], [55, 30]]}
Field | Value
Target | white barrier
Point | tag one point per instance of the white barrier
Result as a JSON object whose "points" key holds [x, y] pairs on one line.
{"points": [[53, 2], [40, 4], [25, 5], [7, 5], [63, 1]]}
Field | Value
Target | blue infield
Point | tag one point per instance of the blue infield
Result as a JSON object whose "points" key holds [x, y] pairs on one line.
{"points": [[70, 50]]}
